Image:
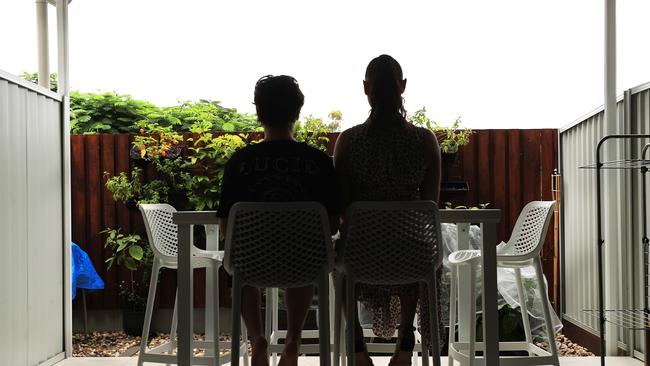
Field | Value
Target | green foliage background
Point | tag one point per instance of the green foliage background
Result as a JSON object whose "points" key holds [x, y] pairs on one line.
{"points": [[110, 112]]}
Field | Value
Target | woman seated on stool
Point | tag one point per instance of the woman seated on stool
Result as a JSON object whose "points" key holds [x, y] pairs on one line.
{"points": [[388, 159], [278, 169]]}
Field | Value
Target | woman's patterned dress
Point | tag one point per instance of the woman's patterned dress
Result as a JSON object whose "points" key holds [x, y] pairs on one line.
{"points": [[387, 166]]}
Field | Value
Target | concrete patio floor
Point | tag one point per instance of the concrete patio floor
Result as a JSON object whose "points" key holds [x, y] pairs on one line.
{"points": [[378, 361]]}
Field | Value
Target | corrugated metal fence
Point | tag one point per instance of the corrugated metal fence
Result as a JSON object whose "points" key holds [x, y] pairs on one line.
{"points": [[621, 217], [506, 168], [31, 224]]}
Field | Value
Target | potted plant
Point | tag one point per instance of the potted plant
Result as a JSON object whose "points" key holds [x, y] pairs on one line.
{"points": [[450, 138], [131, 252]]}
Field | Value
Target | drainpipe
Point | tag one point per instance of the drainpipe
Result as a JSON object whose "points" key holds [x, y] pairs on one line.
{"points": [[43, 45], [611, 126]]}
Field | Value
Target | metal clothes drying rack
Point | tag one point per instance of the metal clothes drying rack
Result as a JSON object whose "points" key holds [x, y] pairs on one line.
{"points": [[632, 319]]}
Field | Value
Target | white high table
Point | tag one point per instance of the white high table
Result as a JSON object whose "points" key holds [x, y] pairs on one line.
{"points": [[487, 219], [185, 332]]}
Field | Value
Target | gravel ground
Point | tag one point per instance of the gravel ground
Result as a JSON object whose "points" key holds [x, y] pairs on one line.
{"points": [[116, 344], [567, 348]]}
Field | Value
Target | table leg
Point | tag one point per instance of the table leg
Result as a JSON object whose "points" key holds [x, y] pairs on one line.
{"points": [[490, 311], [464, 277], [185, 296], [211, 243]]}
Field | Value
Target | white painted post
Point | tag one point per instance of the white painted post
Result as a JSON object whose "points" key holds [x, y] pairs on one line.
{"points": [[63, 80], [610, 247], [42, 40]]}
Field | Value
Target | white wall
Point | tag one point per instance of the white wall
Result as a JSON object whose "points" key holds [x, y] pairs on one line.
{"points": [[31, 224]]}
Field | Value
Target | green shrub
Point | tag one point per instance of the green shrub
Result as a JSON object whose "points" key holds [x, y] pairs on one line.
{"points": [[110, 112], [33, 77]]}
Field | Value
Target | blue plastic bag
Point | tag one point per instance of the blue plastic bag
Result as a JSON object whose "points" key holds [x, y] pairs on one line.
{"points": [[83, 273]]}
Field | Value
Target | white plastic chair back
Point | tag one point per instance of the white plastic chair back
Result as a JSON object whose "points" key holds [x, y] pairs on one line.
{"points": [[375, 233], [278, 244], [161, 230], [530, 230]]}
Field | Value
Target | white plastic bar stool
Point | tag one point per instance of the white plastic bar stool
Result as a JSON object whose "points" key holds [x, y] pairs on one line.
{"points": [[280, 245], [163, 239], [387, 244], [522, 250]]}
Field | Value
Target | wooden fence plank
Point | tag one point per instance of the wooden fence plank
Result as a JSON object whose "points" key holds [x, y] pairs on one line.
{"points": [[107, 164], [78, 195], [531, 166], [468, 165], [94, 188], [514, 179], [549, 162], [500, 179], [484, 167]]}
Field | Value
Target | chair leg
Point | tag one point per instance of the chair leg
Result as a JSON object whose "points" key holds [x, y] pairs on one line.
{"points": [[351, 306], [268, 318], [236, 320], [424, 346], [471, 352], [273, 337], [523, 301], [342, 343], [547, 312], [324, 319], [338, 319], [453, 284], [418, 338], [172, 331], [151, 297], [216, 345], [244, 342], [332, 307], [433, 319]]}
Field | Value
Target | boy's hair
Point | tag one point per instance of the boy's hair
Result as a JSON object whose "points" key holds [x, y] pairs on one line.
{"points": [[278, 100]]}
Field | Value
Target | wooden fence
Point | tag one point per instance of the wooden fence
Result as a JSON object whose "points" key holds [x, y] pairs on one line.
{"points": [[506, 168]]}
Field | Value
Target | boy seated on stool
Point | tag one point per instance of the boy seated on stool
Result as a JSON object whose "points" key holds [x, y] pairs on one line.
{"points": [[278, 169]]}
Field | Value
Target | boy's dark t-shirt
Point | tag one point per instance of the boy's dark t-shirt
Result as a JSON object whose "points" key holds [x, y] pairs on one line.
{"points": [[280, 170]]}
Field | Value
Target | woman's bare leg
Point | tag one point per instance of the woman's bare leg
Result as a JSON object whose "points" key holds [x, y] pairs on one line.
{"points": [[406, 339], [251, 312], [360, 354], [297, 301]]}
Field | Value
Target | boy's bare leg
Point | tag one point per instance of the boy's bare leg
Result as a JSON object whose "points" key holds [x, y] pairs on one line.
{"points": [[297, 301], [251, 312]]}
